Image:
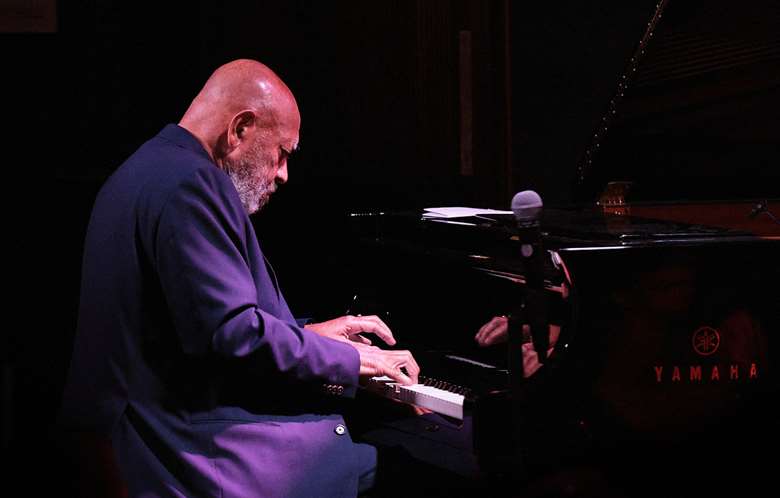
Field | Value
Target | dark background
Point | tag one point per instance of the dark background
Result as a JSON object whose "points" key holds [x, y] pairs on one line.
{"points": [[391, 95]]}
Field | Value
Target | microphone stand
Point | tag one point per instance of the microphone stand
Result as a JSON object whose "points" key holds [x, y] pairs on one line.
{"points": [[531, 311]]}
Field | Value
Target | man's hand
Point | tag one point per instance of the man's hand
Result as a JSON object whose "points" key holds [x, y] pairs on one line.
{"points": [[496, 331], [376, 362], [493, 332], [348, 328], [373, 360]]}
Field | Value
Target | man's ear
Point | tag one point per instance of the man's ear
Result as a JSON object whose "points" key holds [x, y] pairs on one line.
{"points": [[241, 123]]}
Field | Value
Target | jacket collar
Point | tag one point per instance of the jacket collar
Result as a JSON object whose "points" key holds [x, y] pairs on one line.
{"points": [[183, 138]]}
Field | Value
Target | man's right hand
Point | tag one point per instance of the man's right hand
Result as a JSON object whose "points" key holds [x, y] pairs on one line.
{"points": [[377, 362]]}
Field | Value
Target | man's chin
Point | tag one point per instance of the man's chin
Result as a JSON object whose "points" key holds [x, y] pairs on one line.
{"points": [[263, 202]]}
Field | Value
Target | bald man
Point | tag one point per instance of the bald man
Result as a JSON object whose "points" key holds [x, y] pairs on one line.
{"points": [[187, 357]]}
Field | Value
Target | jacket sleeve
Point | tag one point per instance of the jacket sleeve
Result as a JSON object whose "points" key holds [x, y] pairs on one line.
{"points": [[201, 257]]}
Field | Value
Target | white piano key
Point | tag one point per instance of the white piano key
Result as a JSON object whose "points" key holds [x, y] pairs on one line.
{"points": [[428, 397]]}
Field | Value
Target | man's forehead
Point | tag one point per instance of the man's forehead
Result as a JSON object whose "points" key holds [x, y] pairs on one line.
{"points": [[284, 126], [290, 134]]}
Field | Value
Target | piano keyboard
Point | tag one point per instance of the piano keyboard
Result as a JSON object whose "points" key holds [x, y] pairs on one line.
{"points": [[438, 396]]}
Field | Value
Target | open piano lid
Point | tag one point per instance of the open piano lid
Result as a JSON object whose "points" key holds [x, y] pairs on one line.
{"points": [[666, 114], [688, 91], [669, 110], [695, 116]]}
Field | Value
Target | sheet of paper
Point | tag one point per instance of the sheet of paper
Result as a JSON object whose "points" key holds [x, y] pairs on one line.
{"points": [[458, 212]]}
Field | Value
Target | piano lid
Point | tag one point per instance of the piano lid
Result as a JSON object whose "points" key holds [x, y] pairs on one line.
{"points": [[696, 113], [679, 98]]}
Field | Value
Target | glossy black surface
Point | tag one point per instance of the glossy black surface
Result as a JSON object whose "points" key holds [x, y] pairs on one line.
{"points": [[625, 380]]}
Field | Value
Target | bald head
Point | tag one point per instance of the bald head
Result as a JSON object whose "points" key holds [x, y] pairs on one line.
{"points": [[238, 86], [248, 121]]}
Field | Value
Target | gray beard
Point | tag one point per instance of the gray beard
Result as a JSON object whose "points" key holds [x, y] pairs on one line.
{"points": [[248, 176]]}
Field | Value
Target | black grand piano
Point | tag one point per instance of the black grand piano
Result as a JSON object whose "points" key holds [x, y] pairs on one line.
{"points": [[655, 293]]}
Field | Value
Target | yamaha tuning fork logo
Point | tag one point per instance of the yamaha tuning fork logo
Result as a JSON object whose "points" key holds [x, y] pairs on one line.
{"points": [[705, 342]]}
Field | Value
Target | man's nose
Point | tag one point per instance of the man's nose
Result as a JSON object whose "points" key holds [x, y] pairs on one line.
{"points": [[281, 174]]}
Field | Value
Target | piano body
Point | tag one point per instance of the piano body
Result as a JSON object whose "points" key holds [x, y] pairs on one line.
{"points": [[661, 290]]}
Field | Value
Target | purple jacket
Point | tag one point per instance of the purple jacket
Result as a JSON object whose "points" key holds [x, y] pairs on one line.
{"points": [[187, 356]]}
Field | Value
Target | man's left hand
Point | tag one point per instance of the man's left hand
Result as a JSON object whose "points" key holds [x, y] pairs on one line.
{"points": [[349, 328]]}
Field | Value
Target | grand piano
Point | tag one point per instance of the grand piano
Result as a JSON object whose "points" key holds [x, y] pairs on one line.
{"points": [[655, 294]]}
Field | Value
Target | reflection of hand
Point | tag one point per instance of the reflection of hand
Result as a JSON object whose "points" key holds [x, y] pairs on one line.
{"points": [[376, 362], [493, 332], [348, 328]]}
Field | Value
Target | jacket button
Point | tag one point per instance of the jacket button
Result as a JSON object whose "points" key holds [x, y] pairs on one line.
{"points": [[340, 430]]}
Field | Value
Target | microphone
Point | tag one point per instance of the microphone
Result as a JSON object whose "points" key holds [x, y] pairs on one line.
{"points": [[527, 208]]}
